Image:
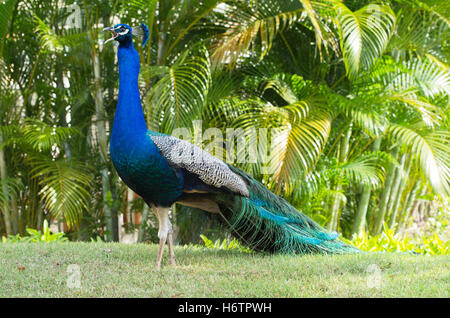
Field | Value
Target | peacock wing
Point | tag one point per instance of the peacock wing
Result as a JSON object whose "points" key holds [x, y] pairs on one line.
{"points": [[208, 168]]}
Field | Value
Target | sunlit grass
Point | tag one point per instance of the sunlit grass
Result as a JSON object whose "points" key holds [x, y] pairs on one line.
{"points": [[119, 270]]}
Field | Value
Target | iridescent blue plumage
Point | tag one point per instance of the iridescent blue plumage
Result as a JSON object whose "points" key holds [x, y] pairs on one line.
{"points": [[134, 155], [164, 170]]}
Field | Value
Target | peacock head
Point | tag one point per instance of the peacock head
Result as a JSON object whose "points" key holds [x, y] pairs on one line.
{"points": [[123, 33]]}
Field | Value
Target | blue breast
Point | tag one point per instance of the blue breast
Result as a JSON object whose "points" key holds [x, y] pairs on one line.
{"points": [[141, 166]]}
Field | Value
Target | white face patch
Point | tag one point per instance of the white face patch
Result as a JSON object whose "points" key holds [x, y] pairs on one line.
{"points": [[124, 32]]}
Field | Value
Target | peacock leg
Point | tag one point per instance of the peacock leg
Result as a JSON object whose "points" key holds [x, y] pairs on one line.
{"points": [[162, 242], [170, 245], [164, 230]]}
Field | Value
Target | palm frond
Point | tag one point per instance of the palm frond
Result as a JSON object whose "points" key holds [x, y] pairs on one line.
{"points": [[431, 149], [6, 10], [245, 24], [360, 111], [416, 85], [9, 190], [42, 136], [282, 86], [418, 33], [7, 133], [438, 8], [223, 103], [429, 113], [293, 143], [365, 169], [364, 35], [417, 76], [178, 97], [56, 42], [65, 187]]}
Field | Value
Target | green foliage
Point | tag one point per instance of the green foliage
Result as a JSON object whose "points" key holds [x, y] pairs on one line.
{"points": [[389, 241], [42, 137], [225, 244], [433, 245], [6, 10], [64, 188], [97, 239], [180, 91], [247, 24], [431, 147], [44, 236], [331, 76], [14, 185], [364, 35]]}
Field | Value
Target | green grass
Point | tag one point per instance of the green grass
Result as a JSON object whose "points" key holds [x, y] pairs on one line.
{"points": [[119, 270]]}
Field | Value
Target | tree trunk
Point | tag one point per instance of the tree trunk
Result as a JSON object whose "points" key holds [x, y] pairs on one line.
{"points": [[9, 11], [360, 218], [144, 218], [114, 208], [3, 176], [161, 44], [112, 233], [336, 205], [408, 206], [102, 141], [396, 189], [14, 215], [379, 216], [398, 197]]}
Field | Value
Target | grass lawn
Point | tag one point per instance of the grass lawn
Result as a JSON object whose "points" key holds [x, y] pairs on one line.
{"points": [[119, 270]]}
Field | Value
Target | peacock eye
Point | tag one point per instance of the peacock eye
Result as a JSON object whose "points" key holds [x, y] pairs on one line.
{"points": [[122, 29]]}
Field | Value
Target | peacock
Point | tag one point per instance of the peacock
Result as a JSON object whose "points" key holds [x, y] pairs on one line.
{"points": [[164, 170]]}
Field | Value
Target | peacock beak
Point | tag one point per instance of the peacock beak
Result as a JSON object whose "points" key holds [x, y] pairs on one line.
{"points": [[115, 34]]}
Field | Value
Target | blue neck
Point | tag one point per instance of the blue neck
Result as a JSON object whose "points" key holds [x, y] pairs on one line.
{"points": [[129, 118]]}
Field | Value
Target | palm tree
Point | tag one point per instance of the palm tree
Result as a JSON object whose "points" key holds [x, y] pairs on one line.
{"points": [[369, 86], [7, 196], [353, 95]]}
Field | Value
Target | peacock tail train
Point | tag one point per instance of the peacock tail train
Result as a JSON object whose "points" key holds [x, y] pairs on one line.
{"points": [[265, 222]]}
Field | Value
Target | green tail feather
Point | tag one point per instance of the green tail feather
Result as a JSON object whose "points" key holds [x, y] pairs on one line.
{"points": [[266, 222]]}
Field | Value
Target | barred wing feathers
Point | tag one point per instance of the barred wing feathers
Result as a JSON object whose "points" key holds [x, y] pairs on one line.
{"points": [[208, 168]]}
